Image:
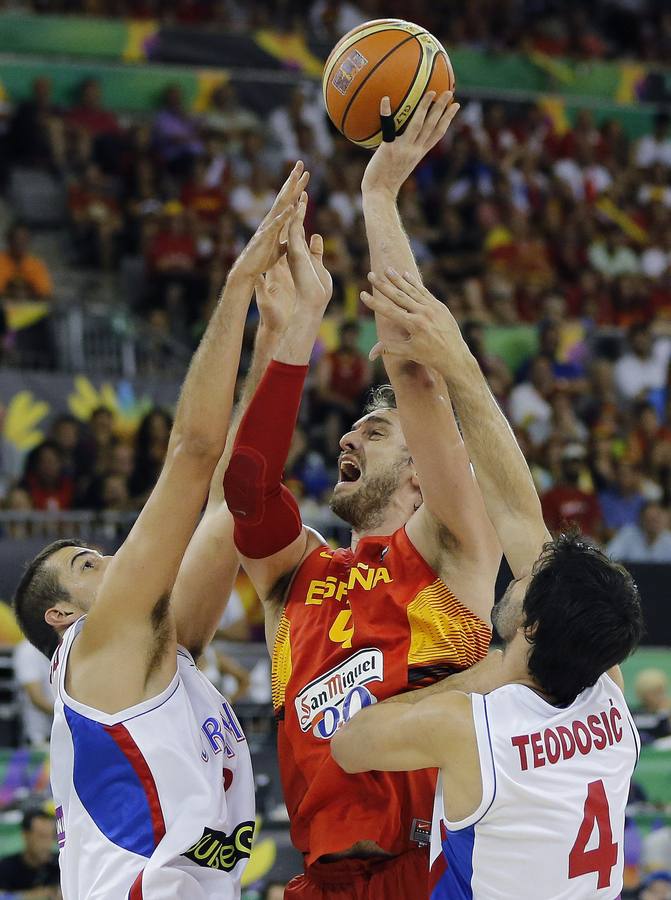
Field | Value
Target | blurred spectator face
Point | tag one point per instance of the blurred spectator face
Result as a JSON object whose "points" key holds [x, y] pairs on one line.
{"points": [[628, 478], [42, 91], [48, 465], [275, 892], [158, 426], [66, 434], [91, 94], [18, 240], [654, 520], [641, 341], [349, 334], [18, 499], [540, 375], [549, 342], [122, 460], [648, 421], [602, 377], [39, 840], [223, 96], [101, 423], [657, 890], [157, 449], [652, 690], [114, 493], [571, 467]]}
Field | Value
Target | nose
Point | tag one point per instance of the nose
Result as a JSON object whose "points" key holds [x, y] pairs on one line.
{"points": [[350, 441]]}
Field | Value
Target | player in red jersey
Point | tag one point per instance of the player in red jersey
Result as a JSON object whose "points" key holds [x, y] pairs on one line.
{"points": [[407, 603]]}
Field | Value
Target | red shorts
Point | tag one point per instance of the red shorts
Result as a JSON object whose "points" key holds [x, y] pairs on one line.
{"points": [[405, 877]]}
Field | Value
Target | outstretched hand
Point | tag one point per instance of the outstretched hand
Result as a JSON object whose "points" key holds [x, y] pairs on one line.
{"points": [[265, 246], [311, 278], [276, 296], [433, 333], [392, 163]]}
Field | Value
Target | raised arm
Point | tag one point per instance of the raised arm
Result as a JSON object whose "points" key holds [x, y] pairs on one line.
{"points": [[210, 565], [451, 525], [269, 535], [132, 598], [434, 340]]}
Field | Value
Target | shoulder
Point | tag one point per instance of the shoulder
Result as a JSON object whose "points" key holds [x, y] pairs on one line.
{"points": [[448, 716]]}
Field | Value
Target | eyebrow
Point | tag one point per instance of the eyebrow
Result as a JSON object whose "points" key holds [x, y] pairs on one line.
{"points": [[379, 420], [77, 555]]}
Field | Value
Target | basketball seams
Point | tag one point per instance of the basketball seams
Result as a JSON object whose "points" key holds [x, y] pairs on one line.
{"points": [[355, 113], [411, 85], [363, 31], [415, 93], [377, 65]]}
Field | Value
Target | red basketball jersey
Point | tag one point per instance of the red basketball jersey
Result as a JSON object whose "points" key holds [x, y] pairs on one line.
{"points": [[359, 627]]}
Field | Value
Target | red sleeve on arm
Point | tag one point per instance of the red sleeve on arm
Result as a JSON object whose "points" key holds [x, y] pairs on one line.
{"points": [[266, 515]]}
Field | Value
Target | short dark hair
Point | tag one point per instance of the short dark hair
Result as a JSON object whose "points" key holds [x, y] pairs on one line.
{"points": [[30, 815], [582, 612], [39, 590], [380, 397]]}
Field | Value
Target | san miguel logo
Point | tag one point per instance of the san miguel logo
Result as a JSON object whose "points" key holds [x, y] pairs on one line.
{"points": [[217, 850], [338, 694], [346, 71]]}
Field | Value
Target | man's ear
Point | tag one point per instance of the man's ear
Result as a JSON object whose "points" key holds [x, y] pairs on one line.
{"points": [[61, 618]]}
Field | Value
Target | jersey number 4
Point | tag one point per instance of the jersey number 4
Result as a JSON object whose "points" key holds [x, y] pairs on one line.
{"points": [[603, 857]]}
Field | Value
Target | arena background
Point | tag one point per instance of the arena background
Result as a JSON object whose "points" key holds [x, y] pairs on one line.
{"points": [[140, 144]]}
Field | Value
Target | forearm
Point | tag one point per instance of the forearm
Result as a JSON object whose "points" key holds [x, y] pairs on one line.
{"points": [[502, 471], [265, 344], [297, 342], [203, 413], [481, 678], [388, 244], [387, 240]]}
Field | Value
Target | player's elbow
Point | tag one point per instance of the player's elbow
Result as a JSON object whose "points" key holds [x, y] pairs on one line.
{"points": [[197, 447], [344, 752]]}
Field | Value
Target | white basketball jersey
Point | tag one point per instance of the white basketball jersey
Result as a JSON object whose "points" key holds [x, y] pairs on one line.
{"points": [[156, 801], [555, 783]]}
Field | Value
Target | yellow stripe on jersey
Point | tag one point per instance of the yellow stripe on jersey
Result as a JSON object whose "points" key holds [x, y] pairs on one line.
{"points": [[281, 668], [443, 630]]}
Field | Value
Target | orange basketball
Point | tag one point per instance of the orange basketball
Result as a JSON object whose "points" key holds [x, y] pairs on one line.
{"points": [[385, 57]]}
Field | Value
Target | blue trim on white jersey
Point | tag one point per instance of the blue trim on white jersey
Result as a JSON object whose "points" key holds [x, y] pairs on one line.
{"points": [[108, 786], [456, 881]]}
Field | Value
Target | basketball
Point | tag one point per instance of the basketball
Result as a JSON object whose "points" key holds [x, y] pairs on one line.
{"points": [[384, 57]]}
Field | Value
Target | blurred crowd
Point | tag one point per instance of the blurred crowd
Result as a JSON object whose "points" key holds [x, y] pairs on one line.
{"points": [[603, 28], [551, 244]]}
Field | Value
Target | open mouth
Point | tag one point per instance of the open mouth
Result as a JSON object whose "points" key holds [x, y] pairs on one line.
{"points": [[349, 470]]}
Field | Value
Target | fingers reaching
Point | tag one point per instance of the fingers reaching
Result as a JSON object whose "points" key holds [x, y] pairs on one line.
{"points": [[393, 290], [291, 190], [434, 114], [386, 307], [296, 236], [417, 121], [385, 106]]}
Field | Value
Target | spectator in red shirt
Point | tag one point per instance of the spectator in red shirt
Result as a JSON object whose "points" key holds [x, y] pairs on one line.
{"points": [[567, 502], [175, 283], [45, 480], [206, 200], [95, 214], [89, 115], [343, 376]]}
